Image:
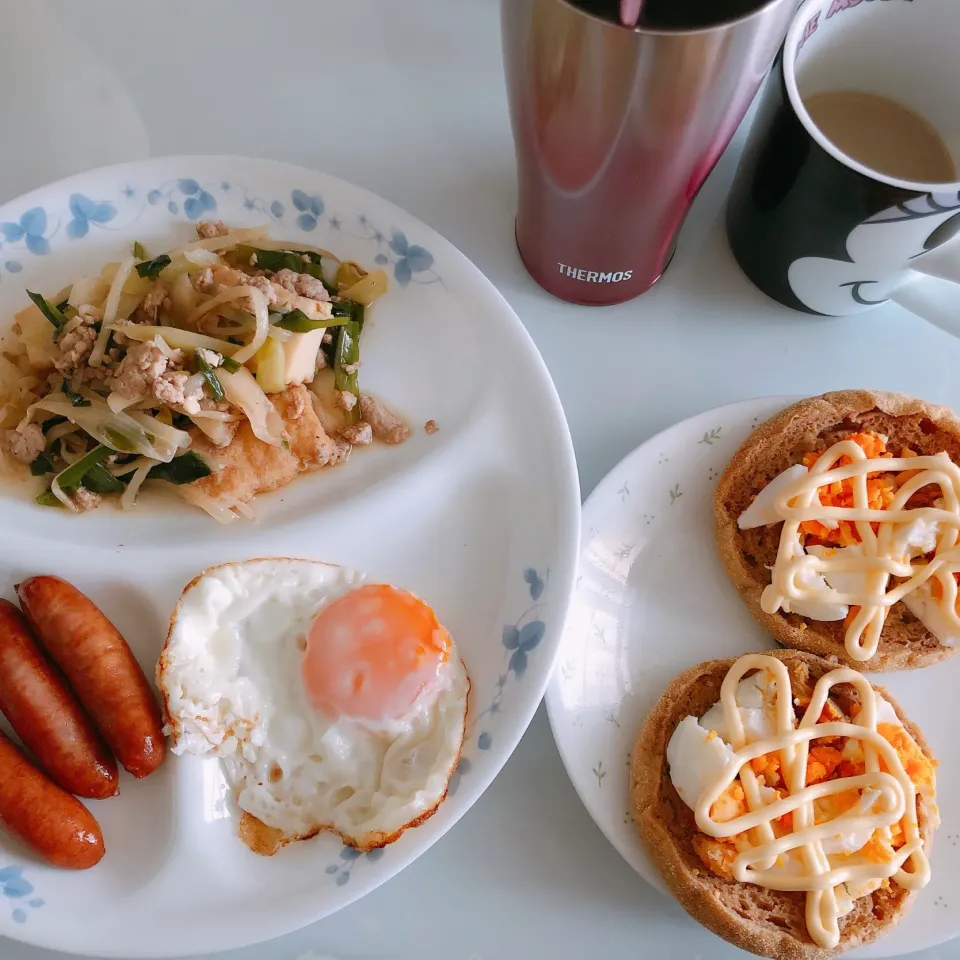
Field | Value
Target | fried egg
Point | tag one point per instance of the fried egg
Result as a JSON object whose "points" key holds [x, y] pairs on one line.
{"points": [[330, 703]]}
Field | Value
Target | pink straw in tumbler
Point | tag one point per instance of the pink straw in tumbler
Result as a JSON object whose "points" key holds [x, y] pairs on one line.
{"points": [[630, 12]]}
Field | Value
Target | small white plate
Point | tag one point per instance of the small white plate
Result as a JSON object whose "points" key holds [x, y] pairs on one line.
{"points": [[652, 598], [480, 519]]}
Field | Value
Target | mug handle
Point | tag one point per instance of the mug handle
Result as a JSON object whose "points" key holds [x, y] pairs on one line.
{"points": [[931, 289]]}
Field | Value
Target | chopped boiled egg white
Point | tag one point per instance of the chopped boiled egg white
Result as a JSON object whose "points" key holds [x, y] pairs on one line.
{"points": [[916, 538], [925, 608], [699, 750], [911, 540], [851, 891], [696, 758], [820, 604], [843, 581], [755, 704], [762, 512], [886, 713], [835, 808]]}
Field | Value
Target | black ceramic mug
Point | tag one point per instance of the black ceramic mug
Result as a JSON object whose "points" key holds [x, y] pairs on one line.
{"points": [[813, 226]]}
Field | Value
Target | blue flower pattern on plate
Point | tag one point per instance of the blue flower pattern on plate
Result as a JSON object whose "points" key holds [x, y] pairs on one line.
{"points": [[411, 259], [311, 209], [349, 857], [86, 211], [31, 229], [519, 640], [16, 888], [411, 263], [197, 200]]}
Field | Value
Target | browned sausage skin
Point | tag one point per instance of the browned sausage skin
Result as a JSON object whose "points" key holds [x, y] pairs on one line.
{"points": [[46, 717], [47, 819], [101, 669]]}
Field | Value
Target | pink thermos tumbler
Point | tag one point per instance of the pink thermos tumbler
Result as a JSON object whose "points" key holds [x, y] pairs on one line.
{"points": [[616, 127]]}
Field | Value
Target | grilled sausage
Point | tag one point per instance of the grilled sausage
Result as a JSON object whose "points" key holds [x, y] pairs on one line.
{"points": [[47, 819], [46, 716], [101, 669]]}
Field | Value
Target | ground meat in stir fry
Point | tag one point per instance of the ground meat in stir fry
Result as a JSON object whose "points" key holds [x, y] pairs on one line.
{"points": [[25, 444], [358, 434], [84, 499], [154, 300], [386, 425], [139, 369], [302, 284], [75, 346], [207, 230], [175, 389]]}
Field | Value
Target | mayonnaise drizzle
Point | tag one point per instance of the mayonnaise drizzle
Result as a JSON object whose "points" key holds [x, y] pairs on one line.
{"points": [[764, 862], [799, 501]]}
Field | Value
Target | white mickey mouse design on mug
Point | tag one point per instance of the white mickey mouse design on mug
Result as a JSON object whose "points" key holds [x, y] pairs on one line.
{"points": [[883, 252]]}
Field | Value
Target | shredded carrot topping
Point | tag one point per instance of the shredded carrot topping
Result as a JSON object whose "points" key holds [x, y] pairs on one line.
{"points": [[881, 489]]}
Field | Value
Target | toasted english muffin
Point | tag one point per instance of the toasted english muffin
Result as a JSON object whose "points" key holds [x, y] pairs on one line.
{"points": [[766, 922], [781, 442]]}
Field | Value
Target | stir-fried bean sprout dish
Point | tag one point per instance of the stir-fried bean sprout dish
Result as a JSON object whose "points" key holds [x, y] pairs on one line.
{"points": [[223, 369]]}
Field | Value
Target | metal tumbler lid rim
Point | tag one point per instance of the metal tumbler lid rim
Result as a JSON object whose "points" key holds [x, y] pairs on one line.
{"points": [[676, 31]]}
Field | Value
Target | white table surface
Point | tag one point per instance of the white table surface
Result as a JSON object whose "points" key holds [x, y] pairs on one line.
{"points": [[406, 97]]}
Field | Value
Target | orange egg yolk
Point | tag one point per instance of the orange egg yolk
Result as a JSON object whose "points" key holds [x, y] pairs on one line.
{"points": [[372, 652]]}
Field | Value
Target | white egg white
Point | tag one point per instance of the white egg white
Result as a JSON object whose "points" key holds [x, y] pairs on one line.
{"points": [[230, 677]]}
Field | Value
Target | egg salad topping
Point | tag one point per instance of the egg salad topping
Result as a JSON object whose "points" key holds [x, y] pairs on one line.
{"points": [[862, 530], [796, 793]]}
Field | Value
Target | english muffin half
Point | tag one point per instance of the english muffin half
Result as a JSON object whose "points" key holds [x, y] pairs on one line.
{"points": [[889, 425], [700, 869]]}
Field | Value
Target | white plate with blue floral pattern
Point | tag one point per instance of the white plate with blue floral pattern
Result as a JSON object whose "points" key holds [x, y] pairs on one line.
{"points": [[652, 599], [481, 519]]}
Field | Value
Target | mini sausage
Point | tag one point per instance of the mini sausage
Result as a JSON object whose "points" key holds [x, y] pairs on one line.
{"points": [[101, 669], [47, 819], [46, 717]]}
